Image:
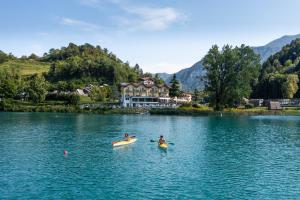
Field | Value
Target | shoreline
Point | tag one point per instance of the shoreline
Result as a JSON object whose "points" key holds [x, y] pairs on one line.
{"points": [[226, 112], [181, 111]]}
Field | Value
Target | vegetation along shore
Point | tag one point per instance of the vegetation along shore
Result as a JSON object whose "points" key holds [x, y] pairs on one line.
{"points": [[90, 79]]}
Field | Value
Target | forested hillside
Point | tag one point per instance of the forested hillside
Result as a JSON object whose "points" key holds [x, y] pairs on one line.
{"points": [[279, 76], [88, 64], [64, 70]]}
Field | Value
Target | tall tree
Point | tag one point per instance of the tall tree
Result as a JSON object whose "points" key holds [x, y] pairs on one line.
{"points": [[158, 80], [290, 86], [174, 90], [3, 57], [114, 93], [9, 84], [196, 96], [33, 57], [231, 73], [37, 88], [99, 94], [138, 69]]}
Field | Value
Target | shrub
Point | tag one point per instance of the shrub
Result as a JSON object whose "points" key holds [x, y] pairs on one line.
{"points": [[195, 105], [186, 105], [73, 99], [249, 106]]}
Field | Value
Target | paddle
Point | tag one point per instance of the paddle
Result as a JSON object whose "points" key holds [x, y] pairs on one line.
{"points": [[171, 143]]}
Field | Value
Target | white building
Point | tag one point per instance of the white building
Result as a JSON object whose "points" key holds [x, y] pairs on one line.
{"points": [[145, 94], [183, 98]]}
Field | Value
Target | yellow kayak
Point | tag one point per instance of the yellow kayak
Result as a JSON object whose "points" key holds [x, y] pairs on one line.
{"points": [[124, 142], [163, 146]]}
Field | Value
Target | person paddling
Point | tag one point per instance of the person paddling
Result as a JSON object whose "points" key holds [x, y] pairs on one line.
{"points": [[161, 140], [126, 137]]}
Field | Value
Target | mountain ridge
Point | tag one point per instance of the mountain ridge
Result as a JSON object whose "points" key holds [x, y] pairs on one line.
{"points": [[190, 78]]}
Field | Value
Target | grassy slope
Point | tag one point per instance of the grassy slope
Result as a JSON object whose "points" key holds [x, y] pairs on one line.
{"points": [[26, 67]]}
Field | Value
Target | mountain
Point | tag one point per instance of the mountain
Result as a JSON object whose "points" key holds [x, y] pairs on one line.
{"points": [[190, 78], [275, 46], [165, 76]]}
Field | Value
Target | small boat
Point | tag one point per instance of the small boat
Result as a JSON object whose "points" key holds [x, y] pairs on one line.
{"points": [[163, 146], [124, 142]]}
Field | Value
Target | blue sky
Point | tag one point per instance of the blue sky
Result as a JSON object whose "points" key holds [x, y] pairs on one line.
{"points": [[160, 35]]}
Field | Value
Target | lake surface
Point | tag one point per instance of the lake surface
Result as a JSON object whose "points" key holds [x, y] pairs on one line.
{"points": [[212, 157]]}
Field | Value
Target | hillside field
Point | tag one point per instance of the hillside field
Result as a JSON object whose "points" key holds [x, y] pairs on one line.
{"points": [[26, 67]]}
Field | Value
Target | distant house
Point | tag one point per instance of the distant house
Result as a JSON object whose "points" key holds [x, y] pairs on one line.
{"points": [[256, 102], [186, 96], [274, 105], [88, 89], [183, 98], [80, 92], [53, 92]]}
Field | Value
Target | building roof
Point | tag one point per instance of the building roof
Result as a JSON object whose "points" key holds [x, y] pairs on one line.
{"points": [[142, 84], [147, 78]]}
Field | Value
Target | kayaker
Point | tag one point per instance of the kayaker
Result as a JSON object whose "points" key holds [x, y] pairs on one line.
{"points": [[161, 140], [126, 137]]}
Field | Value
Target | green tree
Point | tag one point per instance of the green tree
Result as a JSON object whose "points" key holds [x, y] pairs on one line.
{"points": [[197, 95], [3, 57], [33, 57], [37, 88], [73, 99], [158, 80], [138, 70], [8, 88], [231, 73], [174, 90], [62, 86], [290, 86], [114, 93], [98, 94], [147, 74], [132, 78], [9, 83]]}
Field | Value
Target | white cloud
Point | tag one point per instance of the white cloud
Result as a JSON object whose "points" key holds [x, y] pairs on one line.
{"points": [[141, 17], [152, 19], [85, 26]]}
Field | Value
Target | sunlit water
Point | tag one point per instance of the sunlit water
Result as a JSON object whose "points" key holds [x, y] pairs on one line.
{"points": [[212, 157]]}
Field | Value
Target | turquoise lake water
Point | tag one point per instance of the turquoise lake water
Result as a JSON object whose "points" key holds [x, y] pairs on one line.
{"points": [[254, 157]]}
